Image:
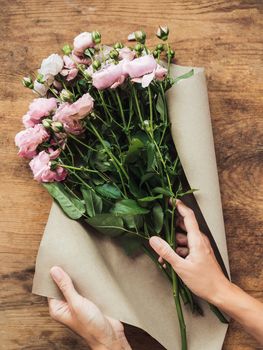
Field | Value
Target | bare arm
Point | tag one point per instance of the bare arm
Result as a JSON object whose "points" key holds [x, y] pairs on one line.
{"points": [[202, 274]]}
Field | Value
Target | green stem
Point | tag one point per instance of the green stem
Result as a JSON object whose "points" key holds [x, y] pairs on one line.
{"points": [[179, 310], [115, 161], [81, 143], [121, 109], [151, 111], [137, 105], [78, 169]]}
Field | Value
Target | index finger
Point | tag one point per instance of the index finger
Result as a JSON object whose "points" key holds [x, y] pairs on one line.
{"points": [[190, 222]]}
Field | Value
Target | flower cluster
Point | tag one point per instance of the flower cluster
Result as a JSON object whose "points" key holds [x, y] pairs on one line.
{"points": [[65, 85]]}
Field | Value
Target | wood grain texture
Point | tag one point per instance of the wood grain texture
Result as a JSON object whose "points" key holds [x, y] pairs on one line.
{"points": [[223, 36]]}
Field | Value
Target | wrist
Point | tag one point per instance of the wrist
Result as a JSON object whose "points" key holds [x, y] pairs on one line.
{"points": [[222, 294], [120, 343]]}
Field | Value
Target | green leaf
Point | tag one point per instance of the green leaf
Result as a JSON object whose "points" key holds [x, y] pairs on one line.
{"points": [[150, 198], [151, 162], [128, 207], [92, 201], [179, 195], [107, 224], [157, 217], [72, 206], [160, 107], [184, 76], [146, 177], [109, 191], [164, 191], [130, 245], [134, 150]]}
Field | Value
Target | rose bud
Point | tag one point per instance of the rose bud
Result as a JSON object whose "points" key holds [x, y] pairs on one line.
{"points": [[140, 36], [170, 53], [96, 37], [114, 54], [162, 32], [139, 48], [155, 54], [96, 65], [47, 123], [57, 126], [28, 82], [89, 52], [118, 46], [67, 49], [40, 78], [66, 95], [160, 47]]}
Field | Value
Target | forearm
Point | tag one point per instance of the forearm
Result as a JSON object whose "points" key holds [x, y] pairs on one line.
{"points": [[241, 307]]}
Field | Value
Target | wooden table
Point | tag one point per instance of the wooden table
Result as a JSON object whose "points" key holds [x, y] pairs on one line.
{"points": [[223, 36]]}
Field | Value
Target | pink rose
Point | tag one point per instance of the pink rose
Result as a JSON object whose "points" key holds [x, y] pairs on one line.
{"points": [[39, 108], [158, 73], [71, 114], [70, 71], [82, 42], [28, 140], [82, 106], [80, 59], [139, 66], [126, 54], [65, 116], [110, 76], [41, 168]]}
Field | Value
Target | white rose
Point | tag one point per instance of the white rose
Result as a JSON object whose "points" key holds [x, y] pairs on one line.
{"points": [[51, 66], [40, 88]]}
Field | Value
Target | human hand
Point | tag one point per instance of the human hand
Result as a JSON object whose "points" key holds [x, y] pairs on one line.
{"points": [[84, 317], [194, 260]]}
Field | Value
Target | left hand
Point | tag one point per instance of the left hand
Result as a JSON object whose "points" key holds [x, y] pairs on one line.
{"points": [[84, 317]]}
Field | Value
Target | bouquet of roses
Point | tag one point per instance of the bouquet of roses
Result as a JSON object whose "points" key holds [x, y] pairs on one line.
{"points": [[100, 142]]}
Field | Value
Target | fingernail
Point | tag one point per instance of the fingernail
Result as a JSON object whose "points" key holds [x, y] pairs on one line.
{"points": [[156, 242], [56, 273]]}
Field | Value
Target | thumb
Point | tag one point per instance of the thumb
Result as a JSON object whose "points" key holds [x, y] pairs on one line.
{"points": [[64, 283], [165, 251]]}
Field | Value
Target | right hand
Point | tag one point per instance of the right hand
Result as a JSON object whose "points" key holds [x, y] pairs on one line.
{"points": [[199, 270]]}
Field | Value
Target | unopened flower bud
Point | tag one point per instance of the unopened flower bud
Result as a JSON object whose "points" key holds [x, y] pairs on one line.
{"points": [[160, 47], [96, 37], [146, 122], [118, 46], [40, 78], [89, 52], [57, 126], [139, 47], [140, 36], [114, 54], [155, 54], [67, 49], [96, 65], [66, 95], [47, 123], [170, 53], [162, 32], [28, 82]]}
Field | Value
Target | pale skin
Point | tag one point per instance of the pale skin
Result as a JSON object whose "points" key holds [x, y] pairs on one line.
{"points": [[194, 261]]}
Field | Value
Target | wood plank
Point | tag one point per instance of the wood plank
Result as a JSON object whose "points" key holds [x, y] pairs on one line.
{"points": [[223, 36]]}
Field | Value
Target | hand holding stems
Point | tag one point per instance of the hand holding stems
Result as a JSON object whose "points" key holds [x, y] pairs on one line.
{"points": [[195, 263], [201, 272]]}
